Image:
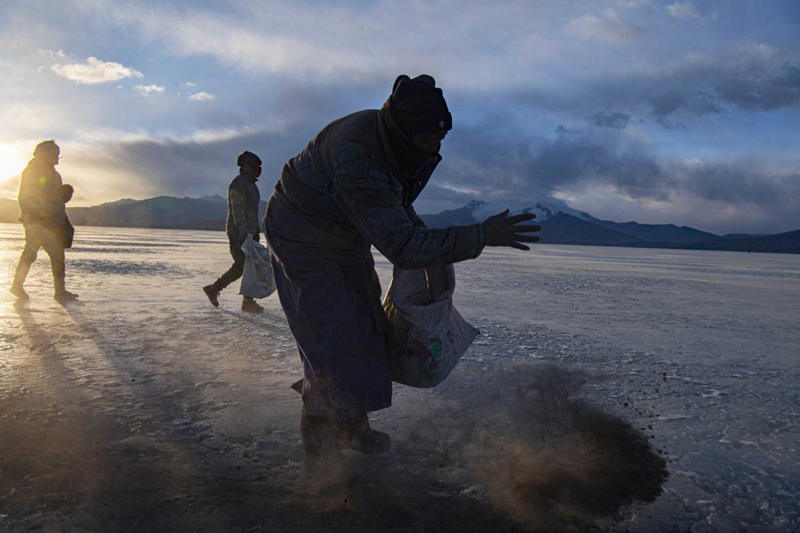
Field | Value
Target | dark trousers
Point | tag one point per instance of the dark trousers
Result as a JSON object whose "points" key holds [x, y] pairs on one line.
{"points": [[236, 269], [40, 236]]}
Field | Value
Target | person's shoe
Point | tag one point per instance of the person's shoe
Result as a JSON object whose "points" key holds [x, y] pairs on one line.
{"points": [[251, 306], [355, 434], [324, 473], [320, 438], [212, 293], [19, 292], [64, 296]]}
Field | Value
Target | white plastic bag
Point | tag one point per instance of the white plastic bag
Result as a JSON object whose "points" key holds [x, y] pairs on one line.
{"points": [[257, 278], [428, 336]]}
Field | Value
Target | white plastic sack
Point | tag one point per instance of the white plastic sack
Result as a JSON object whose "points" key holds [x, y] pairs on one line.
{"points": [[257, 278], [428, 336]]}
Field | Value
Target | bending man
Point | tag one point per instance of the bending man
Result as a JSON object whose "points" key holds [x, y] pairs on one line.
{"points": [[352, 188], [42, 199], [242, 222]]}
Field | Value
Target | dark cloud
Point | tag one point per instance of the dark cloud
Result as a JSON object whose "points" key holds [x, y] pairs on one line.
{"points": [[488, 157], [563, 130], [610, 119], [280, 127], [762, 91], [500, 166], [710, 88], [704, 102], [500, 169], [666, 103], [479, 164], [676, 95], [176, 167], [743, 183], [585, 159]]}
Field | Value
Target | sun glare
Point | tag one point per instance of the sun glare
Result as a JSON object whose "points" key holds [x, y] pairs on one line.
{"points": [[12, 161]]}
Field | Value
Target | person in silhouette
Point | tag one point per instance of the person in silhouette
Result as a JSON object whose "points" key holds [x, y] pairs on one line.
{"points": [[351, 188], [242, 222], [42, 198]]}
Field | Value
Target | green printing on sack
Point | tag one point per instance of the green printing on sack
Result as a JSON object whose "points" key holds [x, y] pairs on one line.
{"points": [[433, 361]]}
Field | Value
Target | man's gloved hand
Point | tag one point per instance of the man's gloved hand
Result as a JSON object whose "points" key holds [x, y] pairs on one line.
{"points": [[243, 234], [503, 230]]}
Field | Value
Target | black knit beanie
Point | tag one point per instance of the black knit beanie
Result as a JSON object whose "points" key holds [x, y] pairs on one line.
{"points": [[247, 158], [46, 146], [418, 106]]}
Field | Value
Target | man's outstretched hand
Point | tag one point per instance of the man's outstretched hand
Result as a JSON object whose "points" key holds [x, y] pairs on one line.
{"points": [[504, 230]]}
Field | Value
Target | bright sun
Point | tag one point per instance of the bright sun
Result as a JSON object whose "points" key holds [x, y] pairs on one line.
{"points": [[12, 161]]}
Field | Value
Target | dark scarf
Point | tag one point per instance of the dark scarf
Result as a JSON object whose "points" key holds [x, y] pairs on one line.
{"points": [[411, 159]]}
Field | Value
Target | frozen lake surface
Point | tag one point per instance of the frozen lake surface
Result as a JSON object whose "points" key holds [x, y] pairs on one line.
{"points": [[598, 371]]}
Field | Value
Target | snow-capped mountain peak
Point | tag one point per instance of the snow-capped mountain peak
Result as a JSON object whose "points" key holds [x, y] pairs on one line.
{"points": [[544, 208]]}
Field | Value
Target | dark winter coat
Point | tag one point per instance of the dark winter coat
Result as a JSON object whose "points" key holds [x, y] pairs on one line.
{"points": [[41, 200], [243, 198], [352, 187], [351, 182], [40, 194]]}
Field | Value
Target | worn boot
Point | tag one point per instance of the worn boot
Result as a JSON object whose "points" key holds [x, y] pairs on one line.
{"points": [[355, 434], [20, 274], [320, 437], [212, 292], [249, 305], [62, 295], [17, 290]]}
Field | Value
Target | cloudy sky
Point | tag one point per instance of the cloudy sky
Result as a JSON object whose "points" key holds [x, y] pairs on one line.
{"points": [[649, 110]]}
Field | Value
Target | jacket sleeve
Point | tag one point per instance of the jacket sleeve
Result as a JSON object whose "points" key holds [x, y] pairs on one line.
{"points": [[412, 214], [55, 197], [372, 200], [237, 197]]}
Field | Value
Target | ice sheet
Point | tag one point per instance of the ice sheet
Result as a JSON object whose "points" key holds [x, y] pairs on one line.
{"points": [[142, 407]]}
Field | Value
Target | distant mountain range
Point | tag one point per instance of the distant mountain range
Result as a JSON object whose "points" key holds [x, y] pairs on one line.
{"points": [[563, 225], [206, 212], [560, 223]]}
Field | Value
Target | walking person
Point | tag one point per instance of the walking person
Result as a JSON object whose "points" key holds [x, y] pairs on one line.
{"points": [[351, 188], [42, 198], [242, 222]]}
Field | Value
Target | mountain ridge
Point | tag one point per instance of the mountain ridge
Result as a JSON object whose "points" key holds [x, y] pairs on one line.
{"points": [[561, 224]]}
